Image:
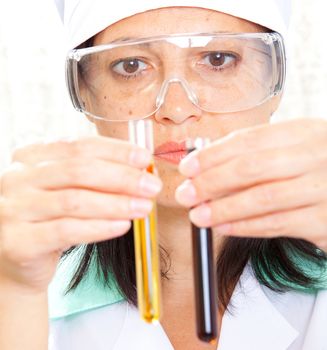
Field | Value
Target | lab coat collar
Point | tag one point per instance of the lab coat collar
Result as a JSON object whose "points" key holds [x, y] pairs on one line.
{"points": [[138, 335], [253, 324]]}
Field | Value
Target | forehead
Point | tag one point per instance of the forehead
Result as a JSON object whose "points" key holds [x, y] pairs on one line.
{"points": [[175, 20]]}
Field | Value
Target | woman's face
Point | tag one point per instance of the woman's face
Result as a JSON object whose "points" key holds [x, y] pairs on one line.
{"points": [[179, 119]]}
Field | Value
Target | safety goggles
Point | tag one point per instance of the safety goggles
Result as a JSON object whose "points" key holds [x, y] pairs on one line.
{"points": [[218, 73]]}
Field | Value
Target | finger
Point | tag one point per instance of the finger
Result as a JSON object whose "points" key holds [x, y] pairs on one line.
{"points": [[249, 170], [74, 203], [307, 223], [251, 140], [32, 240], [93, 147], [262, 200], [10, 178], [95, 174]]}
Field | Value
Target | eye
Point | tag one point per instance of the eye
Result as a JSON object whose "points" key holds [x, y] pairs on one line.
{"points": [[129, 67], [219, 60]]}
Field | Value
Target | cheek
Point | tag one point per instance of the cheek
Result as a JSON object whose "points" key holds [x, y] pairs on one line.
{"points": [[114, 130], [245, 119]]}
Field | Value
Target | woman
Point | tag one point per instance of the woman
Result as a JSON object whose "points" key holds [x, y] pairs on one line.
{"points": [[263, 181]]}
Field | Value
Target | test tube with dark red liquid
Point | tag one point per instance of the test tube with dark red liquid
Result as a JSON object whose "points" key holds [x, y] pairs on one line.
{"points": [[205, 285]]}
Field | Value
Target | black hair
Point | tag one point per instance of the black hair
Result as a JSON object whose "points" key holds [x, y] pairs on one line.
{"points": [[278, 263]]}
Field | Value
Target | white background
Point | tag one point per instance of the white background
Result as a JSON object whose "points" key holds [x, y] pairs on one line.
{"points": [[34, 105]]}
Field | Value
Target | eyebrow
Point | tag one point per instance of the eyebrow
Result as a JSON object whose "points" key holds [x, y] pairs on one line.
{"points": [[123, 38], [127, 38]]}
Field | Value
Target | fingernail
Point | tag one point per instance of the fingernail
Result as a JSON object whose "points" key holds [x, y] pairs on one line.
{"points": [[186, 193], [189, 166], [223, 229], [141, 207], [140, 157], [150, 185], [201, 215]]}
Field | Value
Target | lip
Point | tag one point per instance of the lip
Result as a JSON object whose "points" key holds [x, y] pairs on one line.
{"points": [[172, 152]]}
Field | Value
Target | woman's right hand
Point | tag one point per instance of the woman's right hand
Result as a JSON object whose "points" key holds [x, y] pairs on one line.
{"points": [[66, 193]]}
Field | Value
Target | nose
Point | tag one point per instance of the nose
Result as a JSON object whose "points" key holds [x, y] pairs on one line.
{"points": [[176, 102]]}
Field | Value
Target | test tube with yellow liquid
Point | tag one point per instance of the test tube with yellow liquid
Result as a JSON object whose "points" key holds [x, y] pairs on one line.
{"points": [[146, 238]]}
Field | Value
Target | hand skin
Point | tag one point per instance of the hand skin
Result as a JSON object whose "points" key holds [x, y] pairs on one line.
{"points": [[265, 181], [23, 318], [55, 196]]}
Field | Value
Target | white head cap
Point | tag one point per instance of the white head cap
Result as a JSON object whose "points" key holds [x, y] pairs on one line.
{"points": [[85, 18]]}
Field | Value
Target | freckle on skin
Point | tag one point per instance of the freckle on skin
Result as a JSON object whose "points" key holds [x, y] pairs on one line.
{"points": [[130, 112], [105, 97]]}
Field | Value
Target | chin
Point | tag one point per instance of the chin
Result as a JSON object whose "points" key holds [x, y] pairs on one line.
{"points": [[168, 202], [171, 179], [167, 196]]}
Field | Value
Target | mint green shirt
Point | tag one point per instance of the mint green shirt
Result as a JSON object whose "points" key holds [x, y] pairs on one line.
{"points": [[90, 294]]}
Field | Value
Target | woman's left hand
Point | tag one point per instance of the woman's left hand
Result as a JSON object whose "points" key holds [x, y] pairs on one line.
{"points": [[266, 181]]}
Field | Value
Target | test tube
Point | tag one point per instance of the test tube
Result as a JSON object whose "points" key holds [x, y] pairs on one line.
{"points": [[146, 239], [205, 281]]}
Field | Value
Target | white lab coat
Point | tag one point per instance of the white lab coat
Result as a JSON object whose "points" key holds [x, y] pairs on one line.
{"points": [[259, 320]]}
